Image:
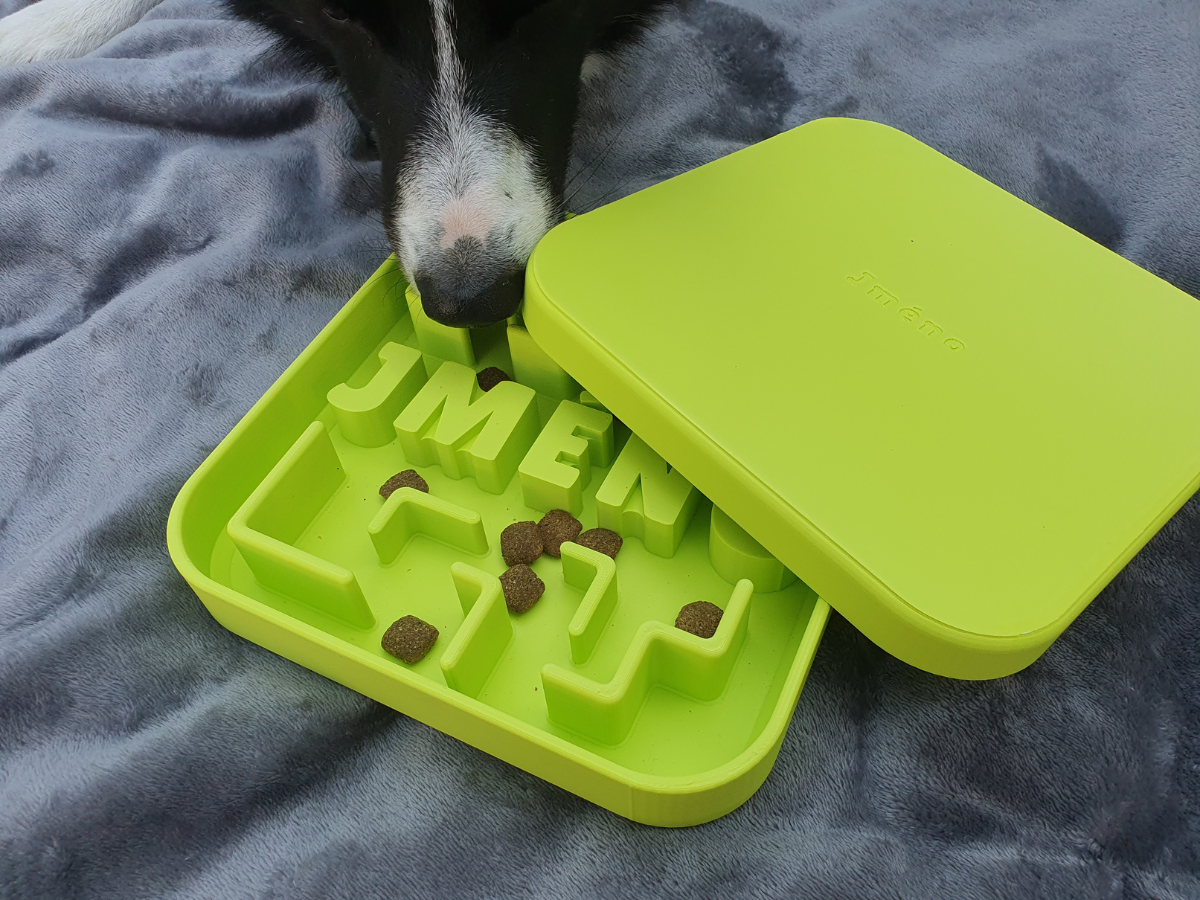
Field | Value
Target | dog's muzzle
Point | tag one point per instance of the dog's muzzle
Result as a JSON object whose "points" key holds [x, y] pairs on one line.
{"points": [[467, 287]]}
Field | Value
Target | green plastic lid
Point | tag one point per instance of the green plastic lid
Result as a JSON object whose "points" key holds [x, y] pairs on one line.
{"points": [[951, 415]]}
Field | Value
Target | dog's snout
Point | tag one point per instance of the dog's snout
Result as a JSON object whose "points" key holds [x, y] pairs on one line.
{"points": [[465, 287]]}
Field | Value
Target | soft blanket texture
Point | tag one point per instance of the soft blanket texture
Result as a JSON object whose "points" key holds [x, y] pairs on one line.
{"points": [[182, 211]]}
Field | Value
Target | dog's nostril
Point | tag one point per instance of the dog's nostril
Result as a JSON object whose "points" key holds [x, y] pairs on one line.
{"points": [[446, 301]]}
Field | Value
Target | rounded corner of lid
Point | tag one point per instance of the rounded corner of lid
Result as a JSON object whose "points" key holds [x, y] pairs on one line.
{"points": [[849, 123], [942, 649]]}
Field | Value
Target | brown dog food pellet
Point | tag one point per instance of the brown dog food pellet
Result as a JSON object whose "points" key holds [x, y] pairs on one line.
{"points": [[700, 618], [520, 542], [601, 540], [407, 478], [409, 639], [557, 526], [522, 588], [490, 377]]}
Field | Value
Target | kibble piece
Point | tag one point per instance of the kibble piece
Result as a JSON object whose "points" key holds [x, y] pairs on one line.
{"points": [[700, 618], [522, 588], [557, 526], [490, 377], [409, 639], [407, 478], [602, 540], [520, 542]]}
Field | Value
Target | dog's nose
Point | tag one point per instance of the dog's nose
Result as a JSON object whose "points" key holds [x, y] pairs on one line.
{"points": [[467, 288]]}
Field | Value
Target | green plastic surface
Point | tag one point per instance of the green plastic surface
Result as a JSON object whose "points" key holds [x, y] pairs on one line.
{"points": [[283, 535], [951, 415]]}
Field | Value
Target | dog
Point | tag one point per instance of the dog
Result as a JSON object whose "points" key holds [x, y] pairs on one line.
{"points": [[470, 103]]}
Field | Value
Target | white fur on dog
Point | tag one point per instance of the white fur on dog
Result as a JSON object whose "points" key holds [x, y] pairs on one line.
{"points": [[62, 29], [469, 176]]}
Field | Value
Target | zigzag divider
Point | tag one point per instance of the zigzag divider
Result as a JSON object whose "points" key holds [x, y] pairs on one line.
{"points": [[659, 654]]}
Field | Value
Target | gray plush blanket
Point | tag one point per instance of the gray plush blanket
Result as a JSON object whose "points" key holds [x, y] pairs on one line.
{"points": [[182, 211]]}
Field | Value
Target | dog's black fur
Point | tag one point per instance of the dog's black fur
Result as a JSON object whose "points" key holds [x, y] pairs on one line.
{"points": [[521, 66]]}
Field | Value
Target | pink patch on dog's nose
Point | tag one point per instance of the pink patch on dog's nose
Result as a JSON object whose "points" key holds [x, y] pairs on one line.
{"points": [[464, 217]]}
